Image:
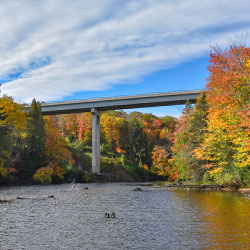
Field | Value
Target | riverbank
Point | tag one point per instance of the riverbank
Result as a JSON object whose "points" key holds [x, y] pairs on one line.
{"points": [[202, 187]]}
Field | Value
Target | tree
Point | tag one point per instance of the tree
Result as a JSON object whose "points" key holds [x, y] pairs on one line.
{"points": [[12, 133], [226, 144], [34, 153], [136, 149], [55, 146], [112, 125], [160, 157], [180, 149], [57, 154], [14, 111], [4, 146], [197, 130]]}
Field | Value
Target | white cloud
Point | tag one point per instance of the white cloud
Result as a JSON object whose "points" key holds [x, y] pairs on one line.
{"points": [[95, 44]]}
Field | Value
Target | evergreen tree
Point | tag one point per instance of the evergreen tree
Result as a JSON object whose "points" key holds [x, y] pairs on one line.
{"points": [[198, 123], [180, 148], [189, 136], [34, 153], [197, 130], [137, 144]]}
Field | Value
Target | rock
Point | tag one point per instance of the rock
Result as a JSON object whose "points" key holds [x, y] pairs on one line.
{"points": [[22, 198], [156, 185], [34, 198], [4, 201], [226, 189], [137, 189], [245, 190]]}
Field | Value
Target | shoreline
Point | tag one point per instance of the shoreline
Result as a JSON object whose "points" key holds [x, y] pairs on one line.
{"points": [[203, 187], [155, 184]]}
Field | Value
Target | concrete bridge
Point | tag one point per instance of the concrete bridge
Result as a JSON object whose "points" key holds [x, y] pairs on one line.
{"points": [[113, 103]]}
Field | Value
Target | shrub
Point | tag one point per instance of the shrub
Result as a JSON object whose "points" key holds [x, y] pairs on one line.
{"points": [[74, 173], [207, 178], [244, 176], [44, 175], [49, 174], [88, 176]]}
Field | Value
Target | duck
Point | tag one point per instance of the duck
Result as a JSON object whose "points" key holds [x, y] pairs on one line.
{"points": [[106, 215], [113, 215]]}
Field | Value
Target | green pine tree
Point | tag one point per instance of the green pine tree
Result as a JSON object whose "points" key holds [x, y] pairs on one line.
{"points": [[34, 155], [199, 121], [197, 129], [137, 143], [189, 138]]}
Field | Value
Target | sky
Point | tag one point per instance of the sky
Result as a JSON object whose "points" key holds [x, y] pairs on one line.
{"points": [[64, 50]]}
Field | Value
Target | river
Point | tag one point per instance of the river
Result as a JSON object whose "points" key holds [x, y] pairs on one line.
{"points": [[154, 218]]}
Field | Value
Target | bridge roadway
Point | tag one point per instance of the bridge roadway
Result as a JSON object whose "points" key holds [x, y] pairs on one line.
{"points": [[113, 103]]}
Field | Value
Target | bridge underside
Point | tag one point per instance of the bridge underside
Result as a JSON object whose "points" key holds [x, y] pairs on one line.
{"points": [[126, 102]]}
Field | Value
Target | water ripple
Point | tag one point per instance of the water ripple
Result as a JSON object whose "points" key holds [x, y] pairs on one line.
{"points": [[154, 218]]}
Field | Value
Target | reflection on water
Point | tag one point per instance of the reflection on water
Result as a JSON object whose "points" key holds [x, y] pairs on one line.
{"points": [[225, 218], [154, 218]]}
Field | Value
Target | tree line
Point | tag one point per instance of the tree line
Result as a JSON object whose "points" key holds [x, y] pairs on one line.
{"points": [[209, 143]]}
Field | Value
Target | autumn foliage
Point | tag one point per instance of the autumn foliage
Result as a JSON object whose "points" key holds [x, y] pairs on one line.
{"points": [[223, 153], [209, 143]]}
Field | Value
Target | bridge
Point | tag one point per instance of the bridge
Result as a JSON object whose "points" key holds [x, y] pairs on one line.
{"points": [[95, 106]]}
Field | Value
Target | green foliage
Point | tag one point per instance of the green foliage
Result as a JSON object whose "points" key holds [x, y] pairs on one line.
{"points": [[34, 152], [207, 179], [198, 122], [138, 173], [35, 129], [81, 154], [244, 176], [189, 136], [87, 176], [110, 165], [74, 174], [105, 150], [227, 179], [136, 146]]}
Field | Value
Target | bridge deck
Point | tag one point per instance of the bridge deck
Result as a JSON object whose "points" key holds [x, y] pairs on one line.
{"points": [[121, 102]]}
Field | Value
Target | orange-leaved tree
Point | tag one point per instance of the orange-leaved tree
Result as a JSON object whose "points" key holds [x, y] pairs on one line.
{"points": [[57, 153], [226, 147]]}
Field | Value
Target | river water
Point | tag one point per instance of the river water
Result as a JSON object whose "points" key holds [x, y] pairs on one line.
{"points": [[154, 218]]}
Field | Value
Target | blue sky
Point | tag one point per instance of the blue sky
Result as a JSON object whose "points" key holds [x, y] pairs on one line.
{"points": [[189, 75], [64, 50]]}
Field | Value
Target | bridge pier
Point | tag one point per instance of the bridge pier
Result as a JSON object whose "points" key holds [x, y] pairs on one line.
{"points": [[96, 145]]}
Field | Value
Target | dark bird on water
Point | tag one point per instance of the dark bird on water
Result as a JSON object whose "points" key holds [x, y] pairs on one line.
{"points": [[107, 215]]}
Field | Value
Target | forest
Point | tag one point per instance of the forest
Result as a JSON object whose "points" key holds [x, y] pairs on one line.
{"points": [[208, 144]]}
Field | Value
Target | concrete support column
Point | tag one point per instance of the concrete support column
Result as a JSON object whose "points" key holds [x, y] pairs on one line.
{"points": [[96, 144]]}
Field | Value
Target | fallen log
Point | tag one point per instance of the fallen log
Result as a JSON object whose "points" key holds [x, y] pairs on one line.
{"points": [[4, 201]]}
